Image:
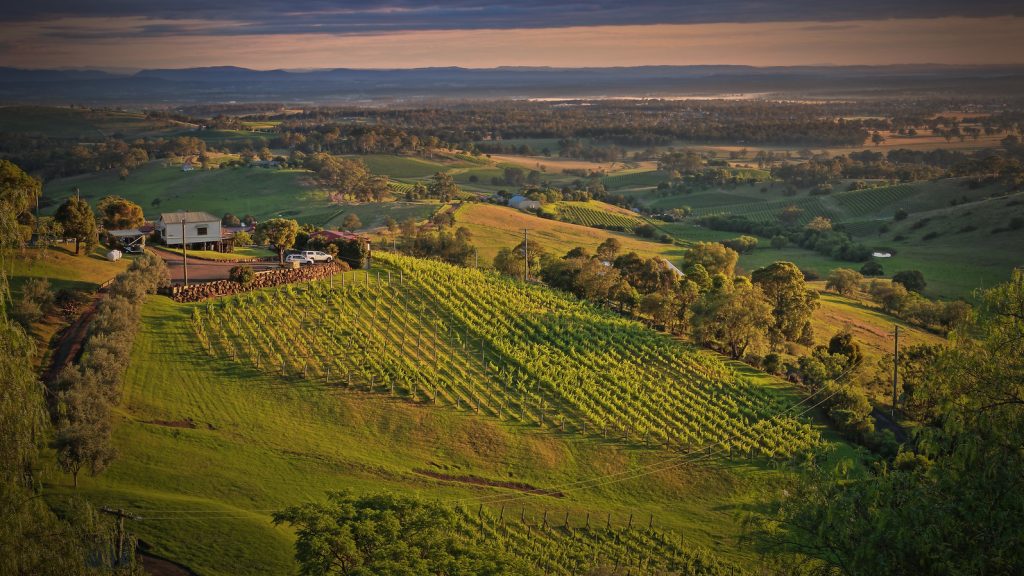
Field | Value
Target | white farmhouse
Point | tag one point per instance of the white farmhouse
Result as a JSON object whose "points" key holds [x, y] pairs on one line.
{"points": [[202, 230]]}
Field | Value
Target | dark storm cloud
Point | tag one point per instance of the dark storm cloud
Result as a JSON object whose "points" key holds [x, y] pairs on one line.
{"points": [[361, 16]]}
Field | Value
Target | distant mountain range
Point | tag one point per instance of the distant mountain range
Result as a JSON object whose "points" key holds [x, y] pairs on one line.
{"points": [[229, 83]]}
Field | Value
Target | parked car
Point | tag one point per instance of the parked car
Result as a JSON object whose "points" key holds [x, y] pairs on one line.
{"points": [[297, 258], [317, 256]]}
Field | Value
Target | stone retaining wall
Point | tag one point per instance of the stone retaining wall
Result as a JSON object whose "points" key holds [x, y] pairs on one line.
{"points": [[264, 279]]}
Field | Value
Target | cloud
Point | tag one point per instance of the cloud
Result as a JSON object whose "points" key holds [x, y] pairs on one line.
{"points": [[942, 40], [366, 16]]}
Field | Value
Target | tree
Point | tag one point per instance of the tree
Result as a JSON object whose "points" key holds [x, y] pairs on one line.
{"points": [[872, 268], [609, 249], [513, 262], [351, 222], [279, 232], [242, 238], [733, 318], [791, 215], [950, 503], [743, 244], [792, 302], [714, 257], [844, 281], [912, 280], [442, 186], [76, 218], [819, 224], [381, 535], [18, 193], [83, 437], [119, 213], [230, 220], [843, 343]]}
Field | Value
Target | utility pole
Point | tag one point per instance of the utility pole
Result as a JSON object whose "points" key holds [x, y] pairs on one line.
{"points": [[184, 252], [895, 371], [526, 254], [121, 515]]}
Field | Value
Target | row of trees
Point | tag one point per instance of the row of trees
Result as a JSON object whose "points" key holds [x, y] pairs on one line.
{"points": [[33, 540], [734, 314], [87, 391]]}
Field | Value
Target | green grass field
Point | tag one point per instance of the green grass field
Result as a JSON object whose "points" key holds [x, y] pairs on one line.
{"points": [[210, 445], [375, 214], [953, 245], [264, 193]]}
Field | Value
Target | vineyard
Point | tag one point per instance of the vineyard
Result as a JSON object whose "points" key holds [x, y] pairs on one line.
{"points": [[469, 340], [874, 200], [400, 187], [582, 213], [769, 211], [563, 545], [634, 179]]}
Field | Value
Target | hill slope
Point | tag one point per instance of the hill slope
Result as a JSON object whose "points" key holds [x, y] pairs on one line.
{"points": [[211, 442]]}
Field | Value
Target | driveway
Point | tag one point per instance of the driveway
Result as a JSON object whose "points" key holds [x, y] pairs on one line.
{"points": [[204, 270]]}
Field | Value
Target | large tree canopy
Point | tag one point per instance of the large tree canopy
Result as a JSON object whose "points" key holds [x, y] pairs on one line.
{"points": [[792, 302], [18, 192], [281, 232], [120, 213], [384, 534], [76, 217]]}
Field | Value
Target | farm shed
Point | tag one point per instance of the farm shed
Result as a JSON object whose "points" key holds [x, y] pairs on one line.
{"points": [[202, 231]]}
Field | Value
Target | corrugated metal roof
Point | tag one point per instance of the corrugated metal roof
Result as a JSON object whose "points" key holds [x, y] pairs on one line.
{"points": [[187, 217]]}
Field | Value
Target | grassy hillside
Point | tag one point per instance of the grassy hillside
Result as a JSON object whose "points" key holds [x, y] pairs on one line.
{"points": [[495, 227], [210, 444], [960, 237], [264, 193]]}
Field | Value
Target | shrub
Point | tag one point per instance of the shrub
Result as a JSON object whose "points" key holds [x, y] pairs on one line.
{"points": [[779, 241], [900, 214], [242, 275], [36, 300], [243, 238]]}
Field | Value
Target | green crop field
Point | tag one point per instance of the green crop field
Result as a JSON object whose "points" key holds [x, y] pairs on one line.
{"points": [[769, 211], [576, 368], [634, 179], [883, 199], [508, 401], [401, 166], [595, 215]]}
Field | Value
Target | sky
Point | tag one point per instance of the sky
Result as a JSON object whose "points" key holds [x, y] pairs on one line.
{"points": [[303, 34]]}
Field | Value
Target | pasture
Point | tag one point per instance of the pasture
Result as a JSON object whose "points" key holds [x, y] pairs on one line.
{"points": [[263, 193]]}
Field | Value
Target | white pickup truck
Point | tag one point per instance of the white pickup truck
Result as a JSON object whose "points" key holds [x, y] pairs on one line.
{"points": [[317, 256]]}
